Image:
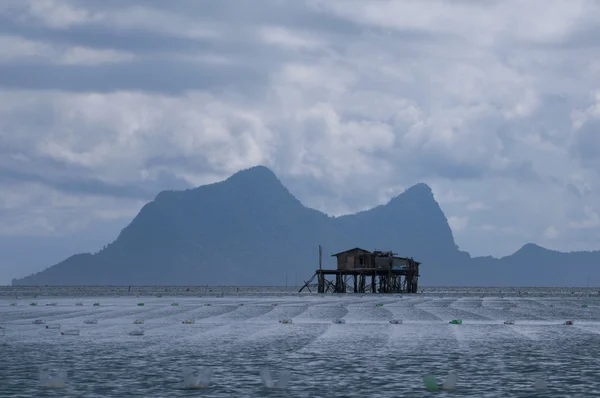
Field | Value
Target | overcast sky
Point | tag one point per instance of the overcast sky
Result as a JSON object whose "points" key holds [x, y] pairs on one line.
{"points": [[494, 104]]}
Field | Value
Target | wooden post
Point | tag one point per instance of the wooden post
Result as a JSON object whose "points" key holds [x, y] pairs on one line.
{"points": [[355, 284], [321, 282], [373, 282]]}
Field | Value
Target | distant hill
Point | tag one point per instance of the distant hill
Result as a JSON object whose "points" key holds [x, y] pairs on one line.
{"points": [[250, 230]]}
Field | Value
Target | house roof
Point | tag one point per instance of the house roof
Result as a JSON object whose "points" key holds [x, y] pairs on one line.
{"points": [[349, 250]]}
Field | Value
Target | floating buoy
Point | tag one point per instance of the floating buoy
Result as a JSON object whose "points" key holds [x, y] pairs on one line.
{"points": [[39, 322], [189, 322], [396, 321], [509, 322], [430, 383], [70, 332], [456, 322], [282, 382], [193, 379], [138, 322], [136, 333], [90, 321], [174, 304], [53, 379], [53, 326], [286, 321], [339, 321], [450, 382], [569, 322]]}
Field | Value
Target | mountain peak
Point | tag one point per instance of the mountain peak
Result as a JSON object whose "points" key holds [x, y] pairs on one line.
{"points": [[419, 189], [418, 193], [530, 248], [256, 173]]}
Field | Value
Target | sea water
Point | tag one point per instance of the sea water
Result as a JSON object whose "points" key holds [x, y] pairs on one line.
{"points": [[363, 357]]}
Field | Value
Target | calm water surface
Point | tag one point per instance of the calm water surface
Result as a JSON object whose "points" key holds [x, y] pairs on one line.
{"points": [[239, 332]]}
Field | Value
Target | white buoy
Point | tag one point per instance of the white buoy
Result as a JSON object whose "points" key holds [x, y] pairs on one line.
{"points": [[137, 332], [450, 382], [282, 382], [138, 322], [53, 379], [39, 322], [53, 326], [90, 321], [196, 379]]}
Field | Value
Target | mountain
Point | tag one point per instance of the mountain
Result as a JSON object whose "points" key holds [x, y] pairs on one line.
{"points": [[250, 230]]}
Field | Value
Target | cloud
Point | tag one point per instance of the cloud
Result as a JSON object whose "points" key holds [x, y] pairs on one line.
{"points": [[14, 48], [494, 104], [551, 232], [591, 221], [458, 223]]}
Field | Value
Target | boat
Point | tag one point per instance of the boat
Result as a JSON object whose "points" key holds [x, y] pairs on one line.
{"points": [[339, 321], [53, 326], [569, 322], [188, 322], [396, 321], [456, 322], [509, 322], [285, 321], [138, 322], [96, 304], [69, 332], [39, 322], [90, 321], [136, 333]]}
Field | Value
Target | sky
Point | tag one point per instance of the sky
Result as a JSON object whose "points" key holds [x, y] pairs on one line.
{"points": [[495, 105]]}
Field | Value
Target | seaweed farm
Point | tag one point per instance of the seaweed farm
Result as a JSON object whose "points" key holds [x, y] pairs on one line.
{"points": [[273, 343]]}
